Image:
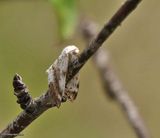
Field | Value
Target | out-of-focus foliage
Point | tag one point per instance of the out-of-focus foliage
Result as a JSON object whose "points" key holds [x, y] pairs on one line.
{"points": [[66, 11]]}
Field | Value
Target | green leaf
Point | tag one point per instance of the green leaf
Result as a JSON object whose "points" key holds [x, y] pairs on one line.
{"points": [[66, 12]]}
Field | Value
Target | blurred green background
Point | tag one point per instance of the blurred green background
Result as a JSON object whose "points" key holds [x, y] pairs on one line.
{"points": [[29, 44]]}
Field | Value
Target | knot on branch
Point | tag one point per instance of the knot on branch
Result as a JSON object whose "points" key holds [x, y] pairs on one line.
{"points": [[21, 92]]}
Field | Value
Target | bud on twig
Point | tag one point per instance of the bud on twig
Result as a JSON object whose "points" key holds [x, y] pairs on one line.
{"points": [[23, 96]]}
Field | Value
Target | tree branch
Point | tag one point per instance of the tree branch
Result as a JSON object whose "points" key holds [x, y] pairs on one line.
{"points": [[103, 35], [41, 103], [112, 84]]}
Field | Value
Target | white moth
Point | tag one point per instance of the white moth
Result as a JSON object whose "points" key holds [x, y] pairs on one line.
{"points": [[57, 72]]}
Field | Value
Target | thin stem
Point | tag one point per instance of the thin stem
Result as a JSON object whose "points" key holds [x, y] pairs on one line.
{"points": [[103, 35], [112, 85]]}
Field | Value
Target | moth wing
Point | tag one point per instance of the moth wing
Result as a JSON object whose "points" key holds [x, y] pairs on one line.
{"points": [[62, 67], [73, 85]]}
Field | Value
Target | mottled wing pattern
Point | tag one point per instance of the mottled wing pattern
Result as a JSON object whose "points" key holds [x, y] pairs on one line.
{"points": [[54, 94], [72, 86], [62, 67], [57, 73]]}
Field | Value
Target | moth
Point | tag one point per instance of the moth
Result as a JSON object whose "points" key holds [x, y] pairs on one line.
{"points": [[58, 88]]}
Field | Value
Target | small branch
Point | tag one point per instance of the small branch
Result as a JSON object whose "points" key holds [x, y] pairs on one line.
{"points": [[41, 103], [32, 109], [103, 35], [113, 86]]}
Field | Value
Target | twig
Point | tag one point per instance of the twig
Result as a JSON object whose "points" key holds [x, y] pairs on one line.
{"points": [[33, 108], [112, 84], [105, 32], [41, 103]]}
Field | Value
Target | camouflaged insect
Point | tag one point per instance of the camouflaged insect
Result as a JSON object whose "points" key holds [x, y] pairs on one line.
{"points": [[57, 72]]}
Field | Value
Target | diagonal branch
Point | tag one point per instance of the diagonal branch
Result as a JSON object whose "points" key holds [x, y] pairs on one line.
{"points": [[25, 118], [103, 35], [112, 84]]}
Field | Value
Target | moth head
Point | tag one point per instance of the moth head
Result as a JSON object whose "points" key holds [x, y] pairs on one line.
{"points": [[70, 49]]}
